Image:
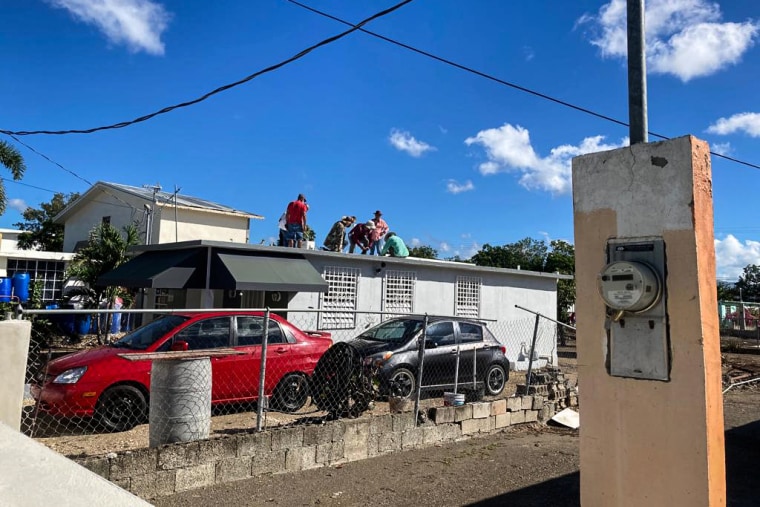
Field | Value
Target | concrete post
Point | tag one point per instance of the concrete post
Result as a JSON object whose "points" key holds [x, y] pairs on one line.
{"points": [[646, 442], [14, 350]]}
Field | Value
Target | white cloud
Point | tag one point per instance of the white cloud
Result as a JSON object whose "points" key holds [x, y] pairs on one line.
{"points": [[136, 24], [732, 256], [404, 141], [508, 149], [528, 53], [444, 247], [443, 130], [454, 187], [17, 204], [685, 38], [415, 242], [466, 251], [721, 148], [749, 123]]}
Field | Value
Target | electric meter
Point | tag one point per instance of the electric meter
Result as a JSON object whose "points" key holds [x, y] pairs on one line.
{"points": [[629, 286]]}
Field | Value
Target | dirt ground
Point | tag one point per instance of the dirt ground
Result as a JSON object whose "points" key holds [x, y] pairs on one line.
{"points": [[528, 465]]}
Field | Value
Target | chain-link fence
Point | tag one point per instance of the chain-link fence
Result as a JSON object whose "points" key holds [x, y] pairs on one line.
{"points": [[266, 371]]}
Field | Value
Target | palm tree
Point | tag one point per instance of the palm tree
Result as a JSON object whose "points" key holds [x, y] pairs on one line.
{"points": [[106, 250], [14, 162]]}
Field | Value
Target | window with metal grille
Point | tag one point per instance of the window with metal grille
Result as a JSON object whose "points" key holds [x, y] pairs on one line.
{"points": [[341, 295], [398, 292], [467, 302], [47, 273]]}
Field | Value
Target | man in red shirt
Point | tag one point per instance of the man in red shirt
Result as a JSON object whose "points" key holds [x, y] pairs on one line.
{"points": [[295, 221], [361, 235]]}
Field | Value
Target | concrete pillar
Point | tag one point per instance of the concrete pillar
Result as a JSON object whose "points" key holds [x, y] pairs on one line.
{"points": [[14, 349], [647, 442]]}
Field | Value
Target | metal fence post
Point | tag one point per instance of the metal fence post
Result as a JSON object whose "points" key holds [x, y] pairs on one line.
{"points": [[532, 351], [262, 374], [421, 358]]}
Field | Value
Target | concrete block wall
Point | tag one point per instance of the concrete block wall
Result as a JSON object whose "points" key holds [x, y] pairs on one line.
{"points": [[151, 473]]}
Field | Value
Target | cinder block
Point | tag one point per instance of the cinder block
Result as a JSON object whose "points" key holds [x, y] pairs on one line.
{"points": [[389, 442], [403, 422], [499, 407], [380, 424], [503, 420], [316, 435], [472, 426], [195, 477], [270, 462], [412, 438], [100, 466], [373, 445], [125, 483], [233, 469], [175, 456], [481, 410], [355, 439], [514, 404], [527, 403], [287, 438], [217, 449], [432, 434], [518, 417], [254, 444], [153, 485], [339, 430], [300, 458], [325, 453], [450, 432], [442, 415], [538, 402], [531, 416], [463, 412], [141, 462]]}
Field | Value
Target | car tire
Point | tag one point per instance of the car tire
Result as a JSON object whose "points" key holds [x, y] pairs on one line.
{"points": [[291, 393], [121, 408], [405, 383], [495, 379]]}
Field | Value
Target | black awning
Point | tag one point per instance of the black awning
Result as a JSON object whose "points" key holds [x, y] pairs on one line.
{"points": [[168, 269], [269, 274]]}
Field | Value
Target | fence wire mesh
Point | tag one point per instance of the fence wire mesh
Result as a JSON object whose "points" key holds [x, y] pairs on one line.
{"points": [[77, 387]]}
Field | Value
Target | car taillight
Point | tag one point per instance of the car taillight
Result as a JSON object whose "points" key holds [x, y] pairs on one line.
{"points": [[503, 350]]}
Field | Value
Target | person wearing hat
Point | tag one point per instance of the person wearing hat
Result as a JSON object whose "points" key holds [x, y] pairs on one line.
{"points": [[394, 246], [381, 229], [335, 240], [361, 235]]}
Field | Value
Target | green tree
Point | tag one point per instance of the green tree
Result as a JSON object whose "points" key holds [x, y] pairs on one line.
{"points": [[40, 232], [106, 250], [749, 283], [727, 291], [561, 259], [12, 160], [423, 252], [528, 253]]}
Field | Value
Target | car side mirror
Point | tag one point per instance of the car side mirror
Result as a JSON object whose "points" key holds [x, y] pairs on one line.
{"points": [[179, 346]]}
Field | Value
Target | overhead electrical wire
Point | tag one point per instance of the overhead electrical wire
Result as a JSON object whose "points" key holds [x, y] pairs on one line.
{"points": [[205, 96], [498, 80]]}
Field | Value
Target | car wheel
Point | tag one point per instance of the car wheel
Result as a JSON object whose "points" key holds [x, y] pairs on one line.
{"points": [[496, 379], [291, 393], [402, 383], [121, 408]]}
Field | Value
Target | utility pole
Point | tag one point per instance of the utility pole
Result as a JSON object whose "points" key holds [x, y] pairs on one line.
{"points": [[176, 231], [637, 72], [149, 211]]}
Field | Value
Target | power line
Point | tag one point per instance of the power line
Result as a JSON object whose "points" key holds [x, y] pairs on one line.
{"points": [[498, 80], [167, 109]]}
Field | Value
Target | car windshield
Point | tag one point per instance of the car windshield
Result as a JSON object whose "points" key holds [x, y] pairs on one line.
{"points": [[396, 331], [143, 337]]}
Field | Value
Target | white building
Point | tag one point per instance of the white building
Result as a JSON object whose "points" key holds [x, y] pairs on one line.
{"points": [[161, 217]]}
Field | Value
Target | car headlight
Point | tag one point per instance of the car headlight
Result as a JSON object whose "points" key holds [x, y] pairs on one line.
{"points": [[71, 376]]}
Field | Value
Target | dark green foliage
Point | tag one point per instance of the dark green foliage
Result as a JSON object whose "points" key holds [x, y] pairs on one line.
{"points": [[39, 230], [423, 252], [11, 159]]}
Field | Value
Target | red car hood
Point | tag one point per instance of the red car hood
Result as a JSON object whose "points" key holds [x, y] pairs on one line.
{"points": [[84, 358]]}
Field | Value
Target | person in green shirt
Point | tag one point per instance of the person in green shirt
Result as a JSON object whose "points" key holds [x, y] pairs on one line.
{"points": [[394, 246]]}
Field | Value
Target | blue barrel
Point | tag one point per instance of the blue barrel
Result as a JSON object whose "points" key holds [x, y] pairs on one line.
{"points": [[5, 290], [82, 324], [21, 286]]}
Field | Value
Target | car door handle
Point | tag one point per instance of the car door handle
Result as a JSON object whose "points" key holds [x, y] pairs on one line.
{"points": [[281, 350], [454, 351]]}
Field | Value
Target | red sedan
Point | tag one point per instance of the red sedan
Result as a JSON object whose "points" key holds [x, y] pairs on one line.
{"points": [[100, 383]]}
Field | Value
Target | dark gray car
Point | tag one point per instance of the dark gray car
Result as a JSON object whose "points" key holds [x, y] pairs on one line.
{"points": [[457, 350]]}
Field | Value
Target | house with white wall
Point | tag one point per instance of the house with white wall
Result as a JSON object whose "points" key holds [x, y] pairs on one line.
{"points": [[161, 217], [324, 290]]}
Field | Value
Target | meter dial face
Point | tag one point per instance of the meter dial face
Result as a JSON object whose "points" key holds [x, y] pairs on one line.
{"points": [[629, 286]]}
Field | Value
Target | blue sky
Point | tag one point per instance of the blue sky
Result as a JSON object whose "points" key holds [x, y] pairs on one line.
{"points": [[452, 159]]}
